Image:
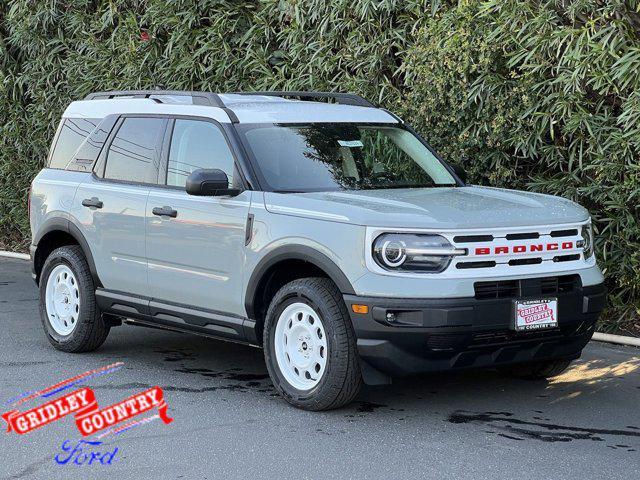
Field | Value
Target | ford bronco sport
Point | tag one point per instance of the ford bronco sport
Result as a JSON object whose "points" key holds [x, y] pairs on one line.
{"points": [[315, 225]]}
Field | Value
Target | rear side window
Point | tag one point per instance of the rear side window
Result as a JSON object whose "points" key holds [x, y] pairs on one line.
{"points": [[134, 153], [88, 152], [73, 131]]}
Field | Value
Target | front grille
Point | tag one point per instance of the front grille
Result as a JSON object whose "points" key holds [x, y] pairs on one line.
{"points": [[528, 287], [523, 249]]}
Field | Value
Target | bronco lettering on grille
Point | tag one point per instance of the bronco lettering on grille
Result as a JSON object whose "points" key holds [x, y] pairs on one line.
{"points": [[539, 247]]}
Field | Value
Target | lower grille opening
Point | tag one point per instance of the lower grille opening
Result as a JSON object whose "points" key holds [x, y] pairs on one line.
{"points": [[447, 341], [500, 289], [504, 336], [532, 286], [562, 284]]}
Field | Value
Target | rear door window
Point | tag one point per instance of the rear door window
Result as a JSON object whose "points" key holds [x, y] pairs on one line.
{"points": [[73, 131], [134, 153]]}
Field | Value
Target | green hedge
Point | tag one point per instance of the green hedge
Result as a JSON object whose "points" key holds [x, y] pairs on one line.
{"points": [[543, 96], [536, 95]]}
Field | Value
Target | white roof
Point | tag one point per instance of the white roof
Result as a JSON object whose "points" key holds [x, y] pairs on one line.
{"points": [[103, 107], [248, 109]]}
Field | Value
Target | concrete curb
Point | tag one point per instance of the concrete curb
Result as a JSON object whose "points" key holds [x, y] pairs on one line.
{"points": [[599, 337], [617, 339], [21, 256]]}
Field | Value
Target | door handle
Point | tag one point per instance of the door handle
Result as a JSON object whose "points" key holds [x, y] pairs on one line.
{"points": [[92, 202], [165, 212]]}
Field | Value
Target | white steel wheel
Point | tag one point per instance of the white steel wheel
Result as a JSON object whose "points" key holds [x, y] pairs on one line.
{"points": [[62, 300], [301, 346]]}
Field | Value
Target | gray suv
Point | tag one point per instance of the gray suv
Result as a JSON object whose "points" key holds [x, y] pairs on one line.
{"points": [[315, 225]]}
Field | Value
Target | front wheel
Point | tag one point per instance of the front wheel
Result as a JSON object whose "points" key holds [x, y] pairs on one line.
{"points": [[70, 317], [310, 346]]}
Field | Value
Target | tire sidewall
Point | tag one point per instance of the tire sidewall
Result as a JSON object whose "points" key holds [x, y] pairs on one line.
{"points": [[64, 256], [310, 297]]}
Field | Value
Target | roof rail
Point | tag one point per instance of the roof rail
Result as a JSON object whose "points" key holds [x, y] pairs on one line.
{"points": [[342, 98], [199, 98]]}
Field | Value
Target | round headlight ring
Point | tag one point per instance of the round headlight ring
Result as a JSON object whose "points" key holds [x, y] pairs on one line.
{"points": [[394, 253]]}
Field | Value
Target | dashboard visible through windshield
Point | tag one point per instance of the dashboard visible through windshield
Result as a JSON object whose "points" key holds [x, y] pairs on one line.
{"points": [[341, 156]]}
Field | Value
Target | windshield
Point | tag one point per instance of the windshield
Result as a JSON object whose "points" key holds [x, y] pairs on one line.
{"points": [[341, 156]]}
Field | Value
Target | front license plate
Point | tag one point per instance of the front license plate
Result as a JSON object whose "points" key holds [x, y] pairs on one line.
{"points": [[536, 314]]}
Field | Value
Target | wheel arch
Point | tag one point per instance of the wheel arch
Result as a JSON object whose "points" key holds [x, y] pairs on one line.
{"points": [[307, 261], [57, 232]]}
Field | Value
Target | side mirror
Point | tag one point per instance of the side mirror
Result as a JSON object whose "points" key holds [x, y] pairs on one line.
{"points": [[209, 182], [459, 171]]}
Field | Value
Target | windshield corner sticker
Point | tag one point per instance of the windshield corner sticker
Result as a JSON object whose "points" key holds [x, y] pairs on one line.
{"points": [[89, 418], [351, 143]]}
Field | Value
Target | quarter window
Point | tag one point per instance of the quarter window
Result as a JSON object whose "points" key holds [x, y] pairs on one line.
{"points": [[133, 155], [197, 144], [73, 131]]}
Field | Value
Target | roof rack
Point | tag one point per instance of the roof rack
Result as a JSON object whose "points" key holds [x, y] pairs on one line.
{"points": [[342, 98], [199, 98]]}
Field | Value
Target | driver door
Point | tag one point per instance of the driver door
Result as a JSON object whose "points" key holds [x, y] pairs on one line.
{"points": [[195, 245]]}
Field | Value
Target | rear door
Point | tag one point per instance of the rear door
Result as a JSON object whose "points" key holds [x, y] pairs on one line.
{"points": [[112, 202], [196, 257]]}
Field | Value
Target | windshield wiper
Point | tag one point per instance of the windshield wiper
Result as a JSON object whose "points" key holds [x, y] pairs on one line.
{"points": [[403, 185]]}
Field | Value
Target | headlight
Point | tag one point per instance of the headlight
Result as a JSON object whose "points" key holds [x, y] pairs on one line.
{"points": [[587, 235], [413, 252]]}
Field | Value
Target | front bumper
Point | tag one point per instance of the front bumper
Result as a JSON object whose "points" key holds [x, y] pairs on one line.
{"points": [[428, 335]]}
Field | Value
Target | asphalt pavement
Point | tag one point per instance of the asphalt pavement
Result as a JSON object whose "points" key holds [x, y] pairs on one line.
{"points": [[229, 423]]}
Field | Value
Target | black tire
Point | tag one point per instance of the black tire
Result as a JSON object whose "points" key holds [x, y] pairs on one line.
{"points": [[90, 331], [536, 370], [342, 377]]}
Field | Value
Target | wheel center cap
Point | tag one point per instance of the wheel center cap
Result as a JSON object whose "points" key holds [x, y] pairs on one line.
{"points": [[304, 345]]}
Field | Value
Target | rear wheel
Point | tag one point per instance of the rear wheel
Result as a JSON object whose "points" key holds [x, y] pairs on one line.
{"points": [[537, 370], [70, 317], [310, 347]]}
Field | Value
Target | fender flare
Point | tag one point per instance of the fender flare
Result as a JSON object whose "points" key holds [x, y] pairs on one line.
{"points": [[67, 226], [294, 252]]}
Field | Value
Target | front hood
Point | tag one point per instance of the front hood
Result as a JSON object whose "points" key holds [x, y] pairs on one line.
{"points": [[450, 208]]}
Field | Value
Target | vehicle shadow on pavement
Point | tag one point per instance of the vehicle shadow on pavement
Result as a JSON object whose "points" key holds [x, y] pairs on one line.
{"points": [[467, 398], [542, 406]]}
